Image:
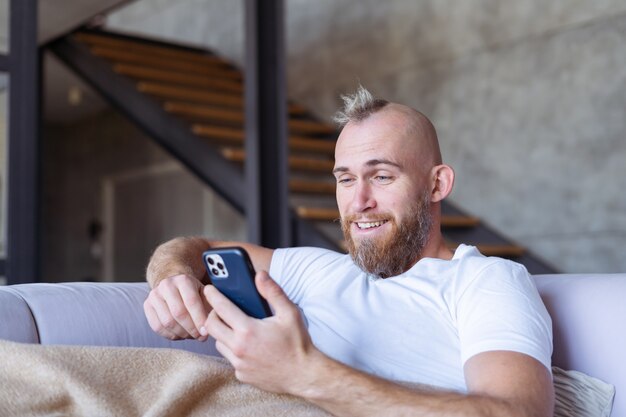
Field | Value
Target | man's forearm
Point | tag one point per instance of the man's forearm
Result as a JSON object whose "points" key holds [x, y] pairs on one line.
{"points": [[179, 256], [344, 392]]}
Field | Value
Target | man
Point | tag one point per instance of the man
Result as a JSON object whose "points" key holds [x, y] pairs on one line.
{"points": [[400, 307]]}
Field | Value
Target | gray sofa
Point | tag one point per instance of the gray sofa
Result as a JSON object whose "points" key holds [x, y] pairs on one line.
{"points": [[588, 313]]}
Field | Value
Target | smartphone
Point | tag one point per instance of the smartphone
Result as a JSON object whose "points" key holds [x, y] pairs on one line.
{"points": [[232, 273]]}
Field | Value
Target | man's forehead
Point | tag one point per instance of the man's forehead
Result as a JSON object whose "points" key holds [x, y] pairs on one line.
{"points": [[395, 133], [375, 135]]}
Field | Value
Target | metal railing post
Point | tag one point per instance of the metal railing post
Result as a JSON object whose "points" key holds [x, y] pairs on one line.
{"points": [[267, 209], [23, 261]]}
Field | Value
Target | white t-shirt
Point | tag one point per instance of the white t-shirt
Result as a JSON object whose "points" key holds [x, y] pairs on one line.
{"points": [[420, 326]]}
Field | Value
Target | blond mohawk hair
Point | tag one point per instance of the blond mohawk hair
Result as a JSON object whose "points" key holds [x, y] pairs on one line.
{"points": [[358, 106]]}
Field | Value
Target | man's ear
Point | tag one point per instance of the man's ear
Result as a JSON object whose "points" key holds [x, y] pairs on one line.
{"points": [[443, 181]]}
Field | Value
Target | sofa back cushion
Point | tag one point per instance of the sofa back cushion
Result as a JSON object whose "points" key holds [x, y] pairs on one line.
{"points": [[82, 313], [588, 313]]}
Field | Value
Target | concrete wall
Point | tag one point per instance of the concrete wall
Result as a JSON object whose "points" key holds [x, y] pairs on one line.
{"points": [[528, 98], [4, 26]]}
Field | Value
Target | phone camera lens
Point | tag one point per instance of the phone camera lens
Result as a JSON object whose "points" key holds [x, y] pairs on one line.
{"points": [[215, 271], [210, 261], [220, 266]]}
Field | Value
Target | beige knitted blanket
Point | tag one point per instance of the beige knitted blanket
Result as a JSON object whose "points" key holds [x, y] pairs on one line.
{"points": [[40, 380]]}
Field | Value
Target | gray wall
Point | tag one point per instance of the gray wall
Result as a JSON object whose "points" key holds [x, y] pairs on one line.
{"points": [[152, 199], [4, 26], [528, 97], [76, 158]]}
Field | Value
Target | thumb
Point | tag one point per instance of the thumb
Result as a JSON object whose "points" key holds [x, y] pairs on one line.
{"points": [[272, 293]]}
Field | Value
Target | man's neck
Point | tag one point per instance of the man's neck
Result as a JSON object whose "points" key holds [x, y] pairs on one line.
{"points": [[436, 248]]}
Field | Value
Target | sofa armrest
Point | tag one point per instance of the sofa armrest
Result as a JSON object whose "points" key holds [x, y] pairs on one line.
{"points": [[16, 321], [101, 314]]}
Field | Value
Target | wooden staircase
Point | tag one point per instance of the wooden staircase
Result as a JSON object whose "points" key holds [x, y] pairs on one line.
{"points": [[203, 95]]}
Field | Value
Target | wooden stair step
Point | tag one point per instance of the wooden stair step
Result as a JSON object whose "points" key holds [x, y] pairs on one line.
{"points": [[294, 125], [237, 136], [295, 162], [312, 187], [194, 110], [138, 58], [168, 91], [193, 95], [148, 48], [199, 110], [312, 127], [297, 109], [312, 145], [220, 133], [457, 221], [318, 213], [145, 73]]}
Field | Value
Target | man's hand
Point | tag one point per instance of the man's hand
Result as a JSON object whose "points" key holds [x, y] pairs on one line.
{"points": [[176, 309], [271, 353]]}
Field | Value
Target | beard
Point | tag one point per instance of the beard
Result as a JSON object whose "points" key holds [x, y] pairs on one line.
{"points": [[397, 252]]}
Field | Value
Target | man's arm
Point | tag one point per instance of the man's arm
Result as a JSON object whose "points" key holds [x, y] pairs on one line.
{"points": [[183, 256], [276, 354], [175, 307], [500, 384]]}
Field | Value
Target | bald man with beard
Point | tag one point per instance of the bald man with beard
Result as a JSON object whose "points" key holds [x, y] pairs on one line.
{"points": [[347, 330]]}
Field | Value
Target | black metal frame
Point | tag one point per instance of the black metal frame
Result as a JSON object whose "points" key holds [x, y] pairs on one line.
{"points": [[4, 63], [22, 263], [4, 67], [267, 214]]}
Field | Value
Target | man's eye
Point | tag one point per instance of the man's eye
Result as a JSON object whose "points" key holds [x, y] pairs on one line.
{"points": [[383, 178], [343, 180]]}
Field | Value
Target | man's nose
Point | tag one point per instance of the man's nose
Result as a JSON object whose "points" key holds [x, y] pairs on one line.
{"points": [[363, 198]]}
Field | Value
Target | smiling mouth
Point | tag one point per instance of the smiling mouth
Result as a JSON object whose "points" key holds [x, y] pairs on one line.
{"points": [[370, 225]]}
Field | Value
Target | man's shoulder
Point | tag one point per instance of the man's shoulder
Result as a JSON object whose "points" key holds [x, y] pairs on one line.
{"points": [[299, 270], [303, 256], [471, 257], [474, 267]]}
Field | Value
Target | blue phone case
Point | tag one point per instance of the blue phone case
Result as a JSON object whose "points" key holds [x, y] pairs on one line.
{"points": [[231, 272]]}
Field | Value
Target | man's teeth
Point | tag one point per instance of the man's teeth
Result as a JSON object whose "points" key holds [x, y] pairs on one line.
{"points": [[369, 225]]}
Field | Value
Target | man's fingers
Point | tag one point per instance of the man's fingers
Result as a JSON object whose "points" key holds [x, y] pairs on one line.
{"points": [[195, 305], [230, 314], [272, 292], [155, 323], [217, 328], [172, 293], [166, 318]]}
